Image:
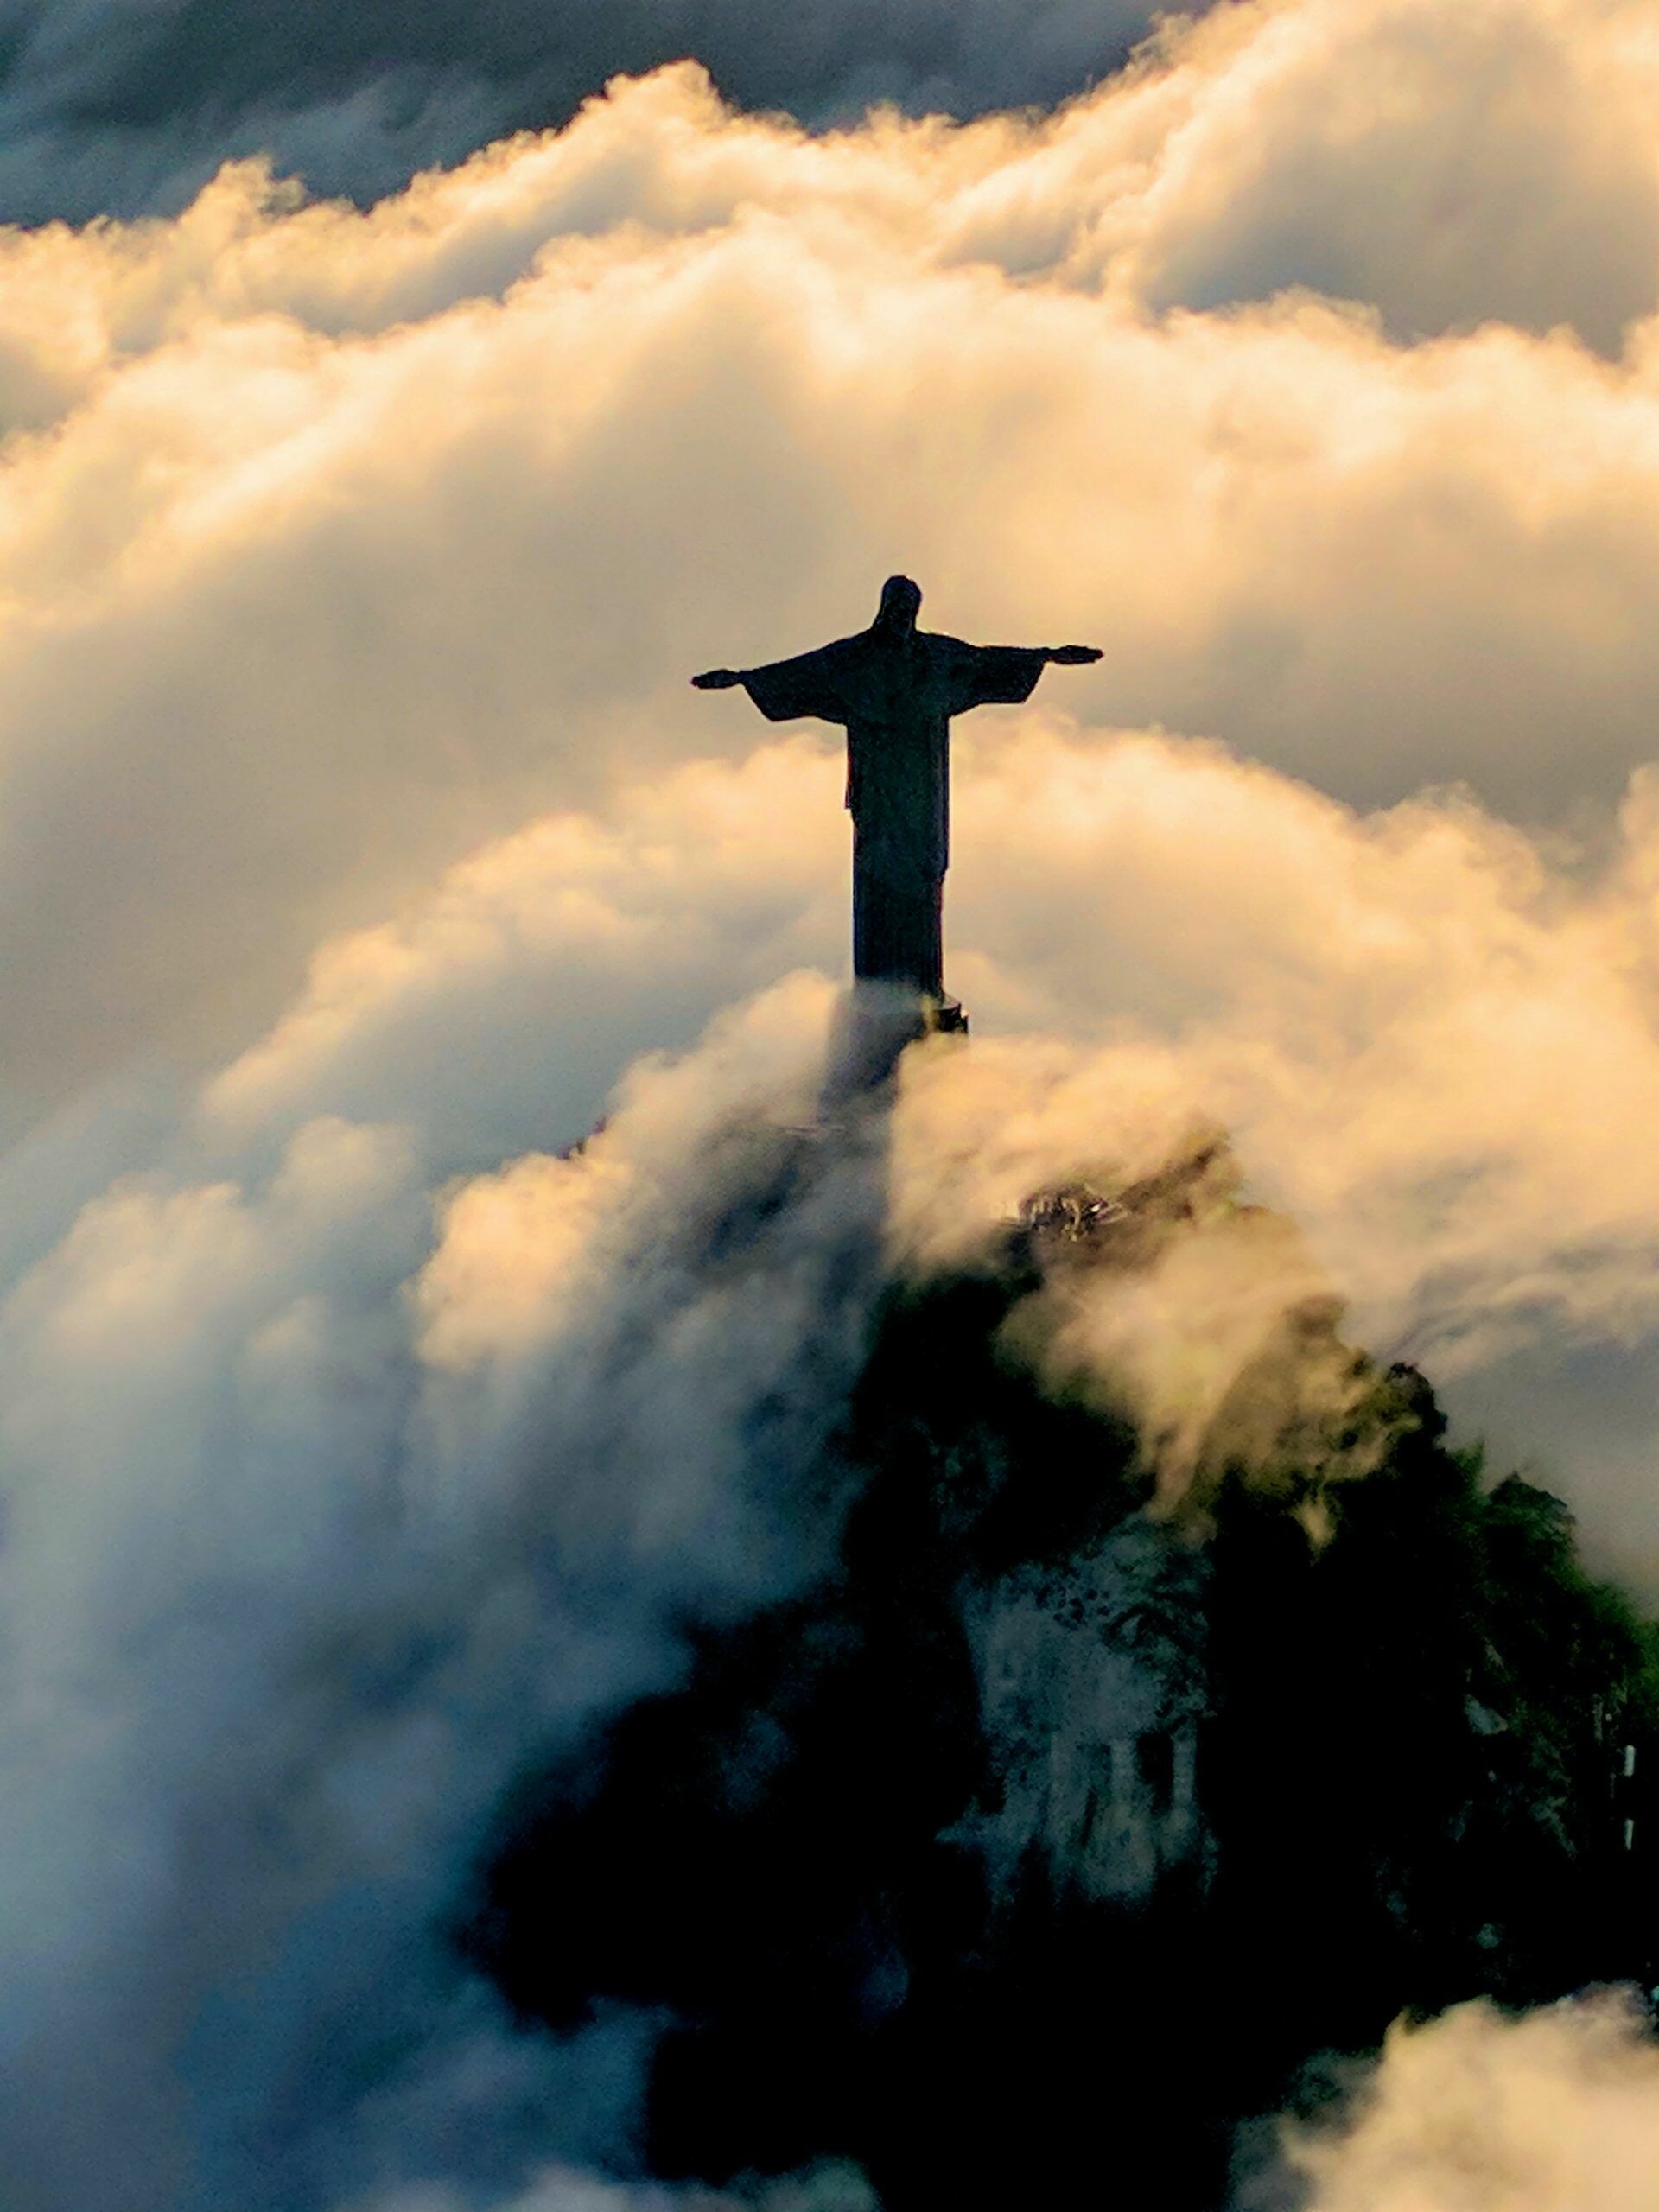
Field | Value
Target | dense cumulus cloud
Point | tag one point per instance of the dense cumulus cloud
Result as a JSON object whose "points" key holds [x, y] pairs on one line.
{"points": [[340, 1493], [1523, 2115], [337, 543], [1432, 1048], [327, 1512], [359, 829], [113, 106]]}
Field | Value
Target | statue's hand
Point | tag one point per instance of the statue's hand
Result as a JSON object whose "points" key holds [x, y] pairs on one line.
{"points": [[717, 679], [1073, 655]]}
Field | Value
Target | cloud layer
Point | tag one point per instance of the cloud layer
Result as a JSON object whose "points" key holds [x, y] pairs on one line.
{"points": [[358, 828], [1523, 2115], [1432, 1048], [324, 1520], [336, 543]]}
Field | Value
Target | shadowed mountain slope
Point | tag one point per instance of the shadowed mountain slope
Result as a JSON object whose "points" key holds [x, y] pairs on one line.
{"points": [[1058, 1833]]}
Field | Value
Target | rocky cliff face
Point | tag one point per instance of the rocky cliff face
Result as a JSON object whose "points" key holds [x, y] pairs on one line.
{"points": [[1075, 1815], [1089, 1708]]}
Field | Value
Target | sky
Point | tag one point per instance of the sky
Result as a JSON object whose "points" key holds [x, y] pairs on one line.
{"points": [[362, 842], [124, 106]]}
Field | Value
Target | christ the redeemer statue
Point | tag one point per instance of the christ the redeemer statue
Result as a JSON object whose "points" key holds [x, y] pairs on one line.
{"points": [[893, 688]]}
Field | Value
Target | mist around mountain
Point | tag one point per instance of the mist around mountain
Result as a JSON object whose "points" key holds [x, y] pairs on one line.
{"points": [[1059, 1836], [394, 1501]]}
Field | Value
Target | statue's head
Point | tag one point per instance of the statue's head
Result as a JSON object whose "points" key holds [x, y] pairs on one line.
{"points": [[901, 602]]}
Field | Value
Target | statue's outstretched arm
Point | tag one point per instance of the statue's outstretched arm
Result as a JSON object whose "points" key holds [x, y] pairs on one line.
{"points": [[804, 687], [999, 676]]}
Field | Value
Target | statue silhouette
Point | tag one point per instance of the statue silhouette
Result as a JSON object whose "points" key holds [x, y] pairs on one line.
{"points": [[894, 689]]}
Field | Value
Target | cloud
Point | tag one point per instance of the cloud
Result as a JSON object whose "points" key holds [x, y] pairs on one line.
{"points": [[323, 1519], [1446, 167], [329, 1507], [1520, 2115], [337, 542], [339, 1491], [1431, 1046], [505, 1001], [357, 826], [326, 1511]]}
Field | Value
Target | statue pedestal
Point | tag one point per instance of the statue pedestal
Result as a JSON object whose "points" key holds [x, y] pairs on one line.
{"points": [[875, 1023]]}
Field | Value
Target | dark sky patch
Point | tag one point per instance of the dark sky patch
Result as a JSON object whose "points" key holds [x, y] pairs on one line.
{"points": [[124, 106]]}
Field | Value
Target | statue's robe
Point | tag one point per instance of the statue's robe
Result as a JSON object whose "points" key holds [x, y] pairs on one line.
{"points": [[895, 697]]}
